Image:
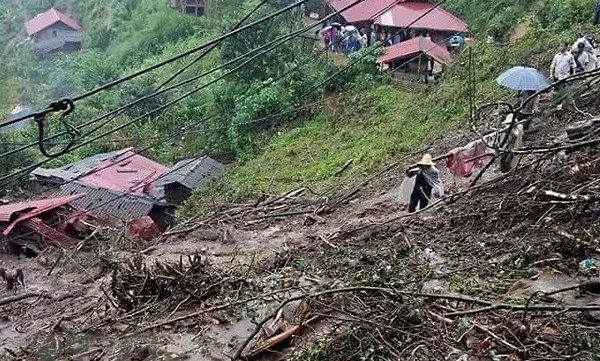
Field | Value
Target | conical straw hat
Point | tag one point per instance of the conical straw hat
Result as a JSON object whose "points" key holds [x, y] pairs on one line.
{"points": [[426, 160]]}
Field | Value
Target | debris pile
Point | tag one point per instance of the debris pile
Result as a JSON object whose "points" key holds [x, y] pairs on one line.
{"points": [[164, 286], [496, 271]]}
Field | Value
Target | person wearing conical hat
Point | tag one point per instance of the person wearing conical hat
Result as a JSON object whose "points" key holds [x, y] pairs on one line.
{"points": [[427, 183]]}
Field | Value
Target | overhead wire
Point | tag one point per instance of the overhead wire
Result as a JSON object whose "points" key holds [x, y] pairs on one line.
{"points": [[114, 114], [347, 66], [159, 91]]}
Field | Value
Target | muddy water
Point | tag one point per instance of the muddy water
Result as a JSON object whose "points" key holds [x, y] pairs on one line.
{"points": [[181, 346]]}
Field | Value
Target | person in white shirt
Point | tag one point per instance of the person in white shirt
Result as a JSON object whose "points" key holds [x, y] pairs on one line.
{"points": [[588, 52], [563, 64]]}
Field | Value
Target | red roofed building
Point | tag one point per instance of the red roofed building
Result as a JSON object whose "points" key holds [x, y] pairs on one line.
{"points": [[22, 222], [421, 15], [363, 12], [412, 47], [128, 172], [53, 31], [399, 20], [417, 55]]}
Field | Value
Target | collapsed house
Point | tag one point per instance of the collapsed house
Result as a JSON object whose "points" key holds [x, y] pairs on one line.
{"points": [[126, 186], [185, 176], [27, 225]]}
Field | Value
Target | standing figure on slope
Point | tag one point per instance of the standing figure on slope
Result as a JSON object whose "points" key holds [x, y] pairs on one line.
{"points": [[427, 187]]}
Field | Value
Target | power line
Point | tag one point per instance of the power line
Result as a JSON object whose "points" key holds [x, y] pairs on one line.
{"points": [[160, 91], [26, 170], [264, 119], [212, 47]]}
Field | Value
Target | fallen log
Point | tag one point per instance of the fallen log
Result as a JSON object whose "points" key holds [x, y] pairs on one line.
{"points": [[583, 128], [275, 340], [11, 299]]}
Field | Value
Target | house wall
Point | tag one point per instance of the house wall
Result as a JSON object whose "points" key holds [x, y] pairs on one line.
{"points": [[419, 65], [194, 7], [58, 37], [50, 32], [163, 216], [176, 193]]}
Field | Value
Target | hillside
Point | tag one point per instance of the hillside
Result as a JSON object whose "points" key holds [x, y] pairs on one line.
{"points": [[302, 250]]}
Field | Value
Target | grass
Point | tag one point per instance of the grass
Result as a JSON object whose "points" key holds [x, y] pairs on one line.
{"points": [[368, 129]]}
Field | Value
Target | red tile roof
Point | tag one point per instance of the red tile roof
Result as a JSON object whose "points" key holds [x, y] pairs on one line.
{"points": [[415, 46], [384, 12], [18, 212], [49, 18], [403, 14], [363, 11], [128, 172]]}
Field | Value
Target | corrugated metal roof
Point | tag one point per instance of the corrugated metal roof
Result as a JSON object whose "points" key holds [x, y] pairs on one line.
{"points": [[19, 212], [412, 47], [405, 13], [37, 225], [192, 173], [49, 18], [77, 169], [128, 172], [105, 201]]}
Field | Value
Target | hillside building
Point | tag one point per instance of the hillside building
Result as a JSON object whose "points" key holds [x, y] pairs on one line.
{"points": [[53, 31], [194, 7]]}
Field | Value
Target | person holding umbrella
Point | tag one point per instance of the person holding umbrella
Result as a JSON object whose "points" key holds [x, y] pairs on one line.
{"points": [[527, 81]]}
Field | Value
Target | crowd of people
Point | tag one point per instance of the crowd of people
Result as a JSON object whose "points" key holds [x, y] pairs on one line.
{"points": [[341, 39], [346, 39], [577, 58]]}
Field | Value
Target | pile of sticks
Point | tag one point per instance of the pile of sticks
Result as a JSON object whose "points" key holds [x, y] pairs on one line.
{"points": [[167, 286]]}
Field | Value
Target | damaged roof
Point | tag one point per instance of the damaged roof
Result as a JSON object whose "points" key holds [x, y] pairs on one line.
{"points": [[192, 173], [127, 172], [16, 213], [77, 169], [105, 201]]}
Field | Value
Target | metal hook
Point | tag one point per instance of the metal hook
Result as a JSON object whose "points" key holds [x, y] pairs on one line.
{"points": [[66, 106]]}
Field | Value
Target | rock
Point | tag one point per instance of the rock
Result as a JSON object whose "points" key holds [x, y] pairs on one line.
{"points": [[140, 354], [43, 261], [120, 327], [171, 350]]}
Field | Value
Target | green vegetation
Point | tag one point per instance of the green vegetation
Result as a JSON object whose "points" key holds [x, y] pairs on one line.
{"points": [[124, 36], [499, 17]]}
